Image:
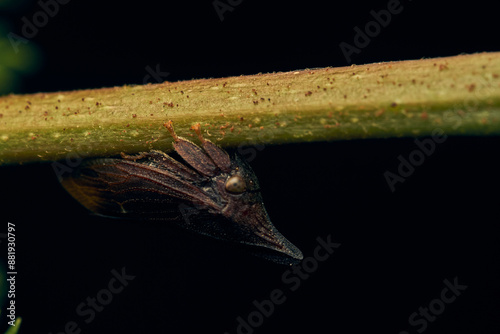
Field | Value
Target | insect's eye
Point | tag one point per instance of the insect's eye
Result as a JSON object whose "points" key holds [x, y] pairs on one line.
{"points": [[235, 184]]}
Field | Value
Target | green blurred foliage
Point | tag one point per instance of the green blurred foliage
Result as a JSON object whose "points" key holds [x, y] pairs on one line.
{"points": [[14, 329], [11, 4], [17, 60]]}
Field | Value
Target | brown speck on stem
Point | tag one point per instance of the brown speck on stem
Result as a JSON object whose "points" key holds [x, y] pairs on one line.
{"points": [[394, 104], [57, 107], [471, 87], [83, 99], [241, 119], [443, 67], [249, 125], [379, 112], [424, 115], [134, 115], [1, 115], [255, 102], [309, 93]]}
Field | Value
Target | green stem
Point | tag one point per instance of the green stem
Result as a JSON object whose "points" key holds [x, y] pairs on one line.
{"points": [[458, 95]]}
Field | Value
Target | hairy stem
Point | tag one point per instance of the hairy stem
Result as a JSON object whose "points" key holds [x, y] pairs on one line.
{"points": [[456, 95]]}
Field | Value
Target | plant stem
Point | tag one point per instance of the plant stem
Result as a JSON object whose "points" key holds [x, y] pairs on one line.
{"points": [[458, 95]]}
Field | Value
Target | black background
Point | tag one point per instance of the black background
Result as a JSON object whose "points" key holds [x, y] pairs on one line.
{"points": [[396, 247]]}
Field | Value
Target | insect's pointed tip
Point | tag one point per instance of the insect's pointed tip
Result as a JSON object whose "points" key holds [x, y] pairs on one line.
{"points": [[284, 251], [292, 251], [289, 256]]}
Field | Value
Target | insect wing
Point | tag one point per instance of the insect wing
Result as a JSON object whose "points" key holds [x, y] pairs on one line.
{"points": [[121, 188]]}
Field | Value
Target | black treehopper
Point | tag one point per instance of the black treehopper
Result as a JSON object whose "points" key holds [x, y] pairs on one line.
{"points": [[211, 194]]}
